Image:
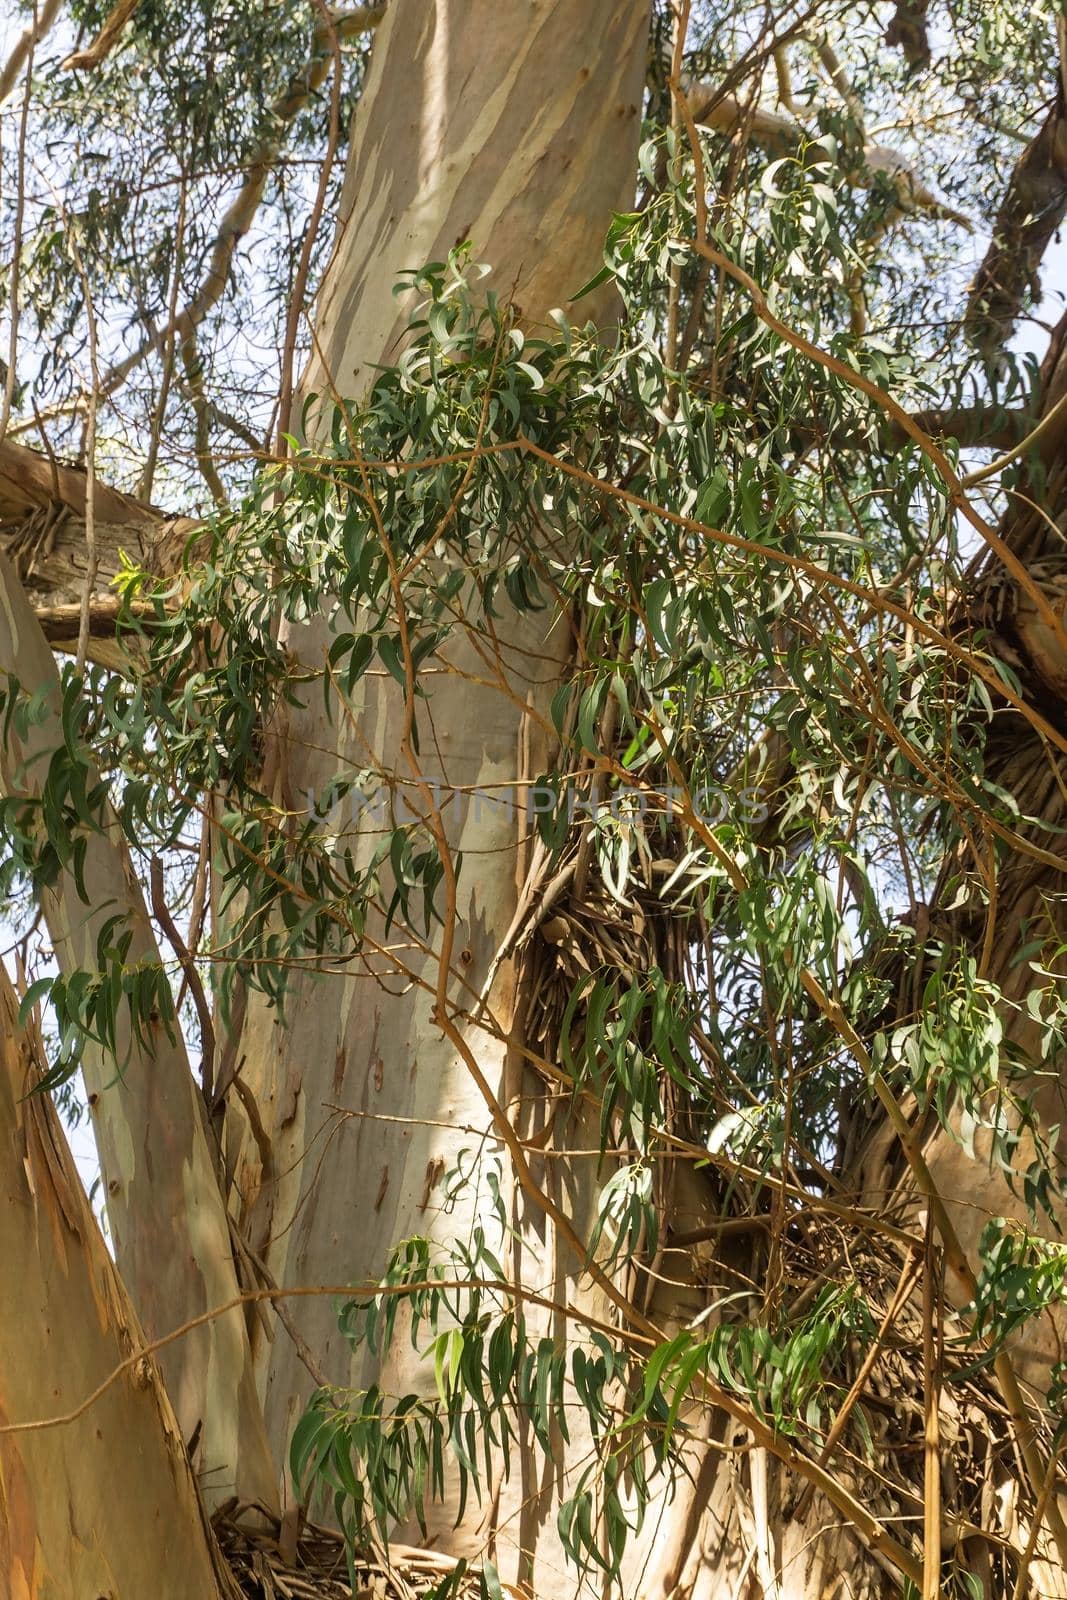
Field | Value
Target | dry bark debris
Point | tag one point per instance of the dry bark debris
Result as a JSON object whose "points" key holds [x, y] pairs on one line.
{"points": [[268, 1563], [987, 1509]]}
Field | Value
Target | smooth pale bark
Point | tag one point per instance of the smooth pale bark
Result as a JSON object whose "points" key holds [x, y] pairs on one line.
{"points": [[481, 120], [105, 1505], [165, 1207], [30, 37], [490, 122]]}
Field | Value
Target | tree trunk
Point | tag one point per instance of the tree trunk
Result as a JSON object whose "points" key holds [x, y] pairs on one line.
{"points": [[105, 1503], [172, 1240], [479, 121]]}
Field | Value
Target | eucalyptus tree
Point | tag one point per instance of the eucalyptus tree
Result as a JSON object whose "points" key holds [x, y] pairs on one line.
{"points": [[533, 797]]}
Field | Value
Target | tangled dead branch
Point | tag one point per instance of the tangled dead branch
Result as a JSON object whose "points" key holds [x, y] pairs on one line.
{"points": [[274, 1560]]}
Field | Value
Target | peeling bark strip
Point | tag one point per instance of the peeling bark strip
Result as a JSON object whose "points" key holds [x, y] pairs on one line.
{"points": [[106, 1506], [171, 1235]]}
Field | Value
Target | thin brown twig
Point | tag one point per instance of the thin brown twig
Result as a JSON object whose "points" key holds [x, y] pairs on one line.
{"points": [[933, 452], [908, 1274], [144, 488], [91, 553], [674, 293], [161, 912], [931, 1588], [1027, 1557], [821, 575], [348, 1291], [193, 367]]}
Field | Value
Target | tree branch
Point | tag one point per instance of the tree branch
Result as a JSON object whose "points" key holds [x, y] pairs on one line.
{"points": [[60, 626], [239, 216], [130, 1454], [105, 41], [43, 534], [1031, 211], [42, 520], [907, 29], [782, 136], [164, 1200], [194, 383], [15, 62]]}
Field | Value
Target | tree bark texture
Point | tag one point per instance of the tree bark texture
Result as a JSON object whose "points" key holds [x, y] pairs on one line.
{"points": [[105, 1504], [168, 1220]]}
